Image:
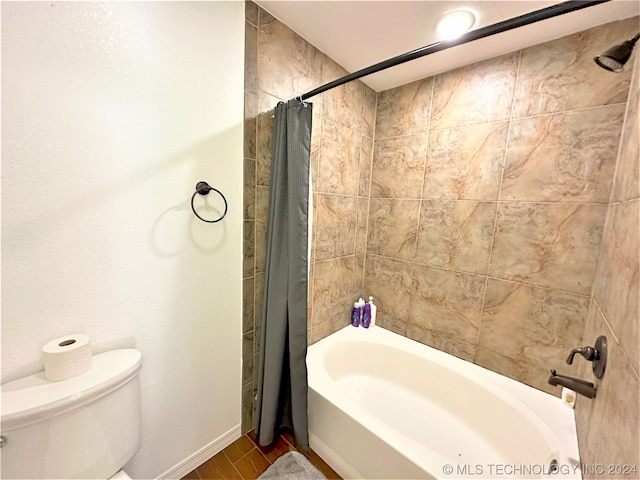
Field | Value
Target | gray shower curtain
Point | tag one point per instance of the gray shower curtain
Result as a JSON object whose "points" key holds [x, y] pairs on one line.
{"points": [[282, 369]]}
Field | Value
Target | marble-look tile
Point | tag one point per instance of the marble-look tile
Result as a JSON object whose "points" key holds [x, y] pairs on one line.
{"points": [[339, 159], [395, 325], [398, 167], [324, 329], [248, 304], [366, 164], [288, 65], [262, 204], [335, 228], [358, 276], [478, 93], [560, 75], [314, 214], [344, 104], [442, 341], [550, 245], [264, 16], [249, 189], [248, 248], [521, 371], [250, 57], [393, 226], [250, 124], [261, 246], [333, 291], [257, 321], [315, 158], [456, 234], [608, 425], [247, 357], [626, 185], [389, 282], [635, 76], [361, 226], [563, 157], [368, 122], [404, 110], [532, 325], [316, 130], [447, 303], [251, 12], [266, 105], [617, 283], [465, 163], [247, 408]]}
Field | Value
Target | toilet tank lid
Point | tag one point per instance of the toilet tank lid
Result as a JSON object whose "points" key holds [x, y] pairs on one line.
{"points": [[32, 399]]}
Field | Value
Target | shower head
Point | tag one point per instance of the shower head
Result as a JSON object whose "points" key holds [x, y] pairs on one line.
{"points": [[615, 58]]}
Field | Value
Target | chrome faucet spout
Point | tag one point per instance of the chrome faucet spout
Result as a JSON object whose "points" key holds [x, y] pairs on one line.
{"points": [[582, 387]]}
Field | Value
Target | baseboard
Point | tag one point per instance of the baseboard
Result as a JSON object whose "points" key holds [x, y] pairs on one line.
{"points": [[205, 453]]}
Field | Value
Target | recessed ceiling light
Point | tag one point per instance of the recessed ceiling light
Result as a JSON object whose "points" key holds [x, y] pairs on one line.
{"points": [[454, 23]]}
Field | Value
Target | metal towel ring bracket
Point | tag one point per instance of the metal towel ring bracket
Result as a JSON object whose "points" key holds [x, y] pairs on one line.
{"points": [[203, 188]]}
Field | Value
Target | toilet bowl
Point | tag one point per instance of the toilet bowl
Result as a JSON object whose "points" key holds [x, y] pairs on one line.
{"points": [[88, 426]]}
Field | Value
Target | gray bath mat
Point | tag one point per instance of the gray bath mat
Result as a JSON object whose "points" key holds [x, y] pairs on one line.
{"points": [[292, 466]]}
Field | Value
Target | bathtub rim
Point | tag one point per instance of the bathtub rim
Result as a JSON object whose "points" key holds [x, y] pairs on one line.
{"points": [[545, 410]]}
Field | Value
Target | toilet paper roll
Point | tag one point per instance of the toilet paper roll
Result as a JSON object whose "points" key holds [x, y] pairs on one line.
{"points": [[66, 357]]}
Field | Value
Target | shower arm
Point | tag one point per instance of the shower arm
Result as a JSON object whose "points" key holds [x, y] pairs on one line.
{"points": [[505, 25]]}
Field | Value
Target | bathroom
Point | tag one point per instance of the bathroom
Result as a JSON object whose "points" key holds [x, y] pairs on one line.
{"points": [[98, 234]]}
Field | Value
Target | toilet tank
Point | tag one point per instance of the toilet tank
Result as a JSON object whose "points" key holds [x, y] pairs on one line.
{"points": [[86, 426]]}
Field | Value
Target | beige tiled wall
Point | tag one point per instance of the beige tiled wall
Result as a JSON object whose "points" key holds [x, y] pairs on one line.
{"points": [[489, 193], [278, 66], [476, 217], [608, 426]]}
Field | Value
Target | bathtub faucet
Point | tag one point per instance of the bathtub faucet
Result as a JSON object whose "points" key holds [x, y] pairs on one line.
{"points": [[589, 353], [582, 387]]}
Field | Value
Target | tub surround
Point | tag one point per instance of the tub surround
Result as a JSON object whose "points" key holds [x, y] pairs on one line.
{"points": [[608, 427], [279, 65], [489, 196], [456, 220]]}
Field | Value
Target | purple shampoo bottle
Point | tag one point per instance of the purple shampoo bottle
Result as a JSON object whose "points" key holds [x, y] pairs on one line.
{"points": [[355, 315], [366, 315]]}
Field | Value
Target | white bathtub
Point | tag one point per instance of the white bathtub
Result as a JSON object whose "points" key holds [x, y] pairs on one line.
{"points": [[384, 406]]}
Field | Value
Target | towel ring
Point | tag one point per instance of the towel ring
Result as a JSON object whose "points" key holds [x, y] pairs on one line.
{"points": [[203, 188]]}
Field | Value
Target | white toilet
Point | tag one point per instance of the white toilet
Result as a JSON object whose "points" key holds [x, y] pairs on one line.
{"points": [[88, 426]]}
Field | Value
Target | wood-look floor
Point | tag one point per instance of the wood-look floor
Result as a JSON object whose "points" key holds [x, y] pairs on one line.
{"points": [[244, 459]]}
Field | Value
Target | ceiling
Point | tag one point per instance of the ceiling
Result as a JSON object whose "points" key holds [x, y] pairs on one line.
{"points": [[357, 34]]}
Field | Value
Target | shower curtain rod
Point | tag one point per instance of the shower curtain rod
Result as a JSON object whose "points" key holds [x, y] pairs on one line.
{"points": [[515, 22]]}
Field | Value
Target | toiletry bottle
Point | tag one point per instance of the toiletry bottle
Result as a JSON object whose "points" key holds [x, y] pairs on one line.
{"points": [[366, 315], [355, 314], [373, 311]]}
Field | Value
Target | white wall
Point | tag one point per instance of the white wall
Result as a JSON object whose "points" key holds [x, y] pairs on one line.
{"points": [[111, 112]]}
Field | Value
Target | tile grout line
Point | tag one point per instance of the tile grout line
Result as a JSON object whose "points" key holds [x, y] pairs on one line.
{"points": [[509, 119], [256, 303], [372, 143], [233, 464], [496, 215], [490, 277], [615, 337]]}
